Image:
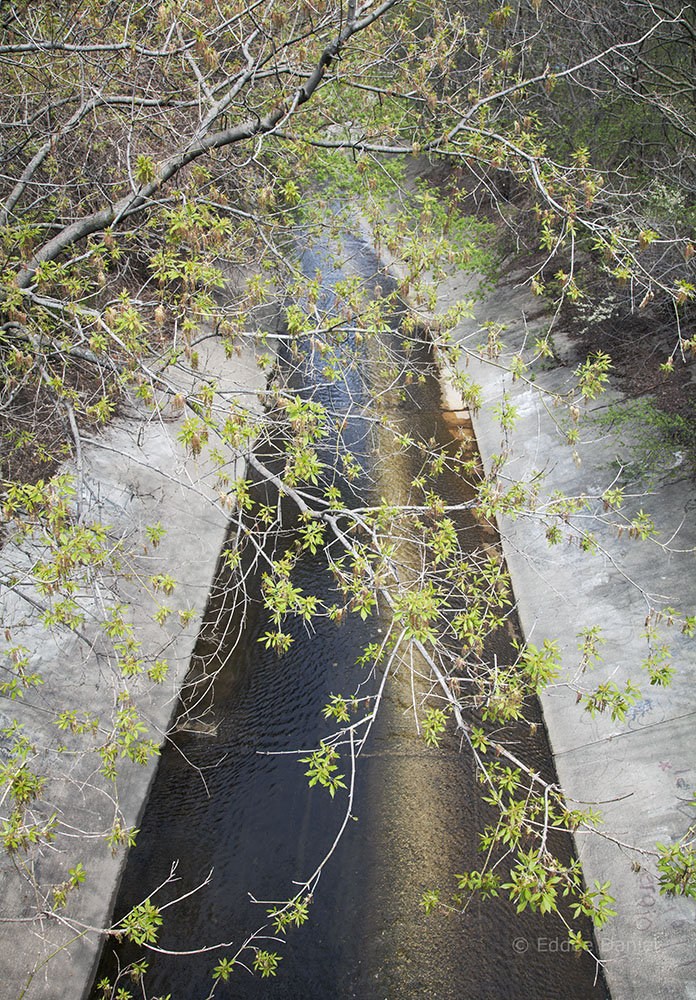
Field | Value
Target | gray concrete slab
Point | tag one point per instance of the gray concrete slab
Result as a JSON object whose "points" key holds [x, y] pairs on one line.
{"points": [[643, 770], [136, 474]]}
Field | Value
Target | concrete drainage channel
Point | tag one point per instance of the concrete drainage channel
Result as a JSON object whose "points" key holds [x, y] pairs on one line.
{"points": [[134, 476], [419, 809], [642, 773]]}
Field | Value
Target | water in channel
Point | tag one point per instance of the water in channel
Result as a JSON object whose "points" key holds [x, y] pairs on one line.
{"points": [[231, 798]]}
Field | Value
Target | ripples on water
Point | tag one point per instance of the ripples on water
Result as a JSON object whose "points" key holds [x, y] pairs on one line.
{"points": [[233, 802]]}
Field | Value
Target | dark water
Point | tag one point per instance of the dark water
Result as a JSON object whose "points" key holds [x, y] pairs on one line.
{"points": [[234, 801]]}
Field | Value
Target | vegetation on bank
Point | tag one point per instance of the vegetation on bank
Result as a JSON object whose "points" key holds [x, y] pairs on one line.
{"points": [[160, 167]]}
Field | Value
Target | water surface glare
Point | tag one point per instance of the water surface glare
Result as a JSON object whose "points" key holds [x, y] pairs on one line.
{"points": [[233, 800]]}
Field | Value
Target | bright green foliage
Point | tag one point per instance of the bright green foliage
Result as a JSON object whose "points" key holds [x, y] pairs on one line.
{"points": [[266, 962], [75, 879], [293, 914], [322, 767], [485, 883], [596, 904], [434, 726], [430, 900], [531, 884], [142, 924], [593, 375], [415, 612], [337, 709], [677, 867], [223, 969], [540, 666], [155, 190]]}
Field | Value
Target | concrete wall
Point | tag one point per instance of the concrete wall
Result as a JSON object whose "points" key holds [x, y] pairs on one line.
{"points": [[135, 475], [642, 772]]}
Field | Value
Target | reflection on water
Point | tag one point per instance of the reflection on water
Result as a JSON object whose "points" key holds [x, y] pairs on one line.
{"points": [[234, 802]]}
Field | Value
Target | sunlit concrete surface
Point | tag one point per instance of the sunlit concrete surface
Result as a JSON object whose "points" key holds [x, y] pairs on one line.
{"points": [[641, 773], [135, 474]]}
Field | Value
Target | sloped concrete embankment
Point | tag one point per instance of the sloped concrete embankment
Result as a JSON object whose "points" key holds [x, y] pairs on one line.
{"points": [[134, 475], [641, 773]]}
